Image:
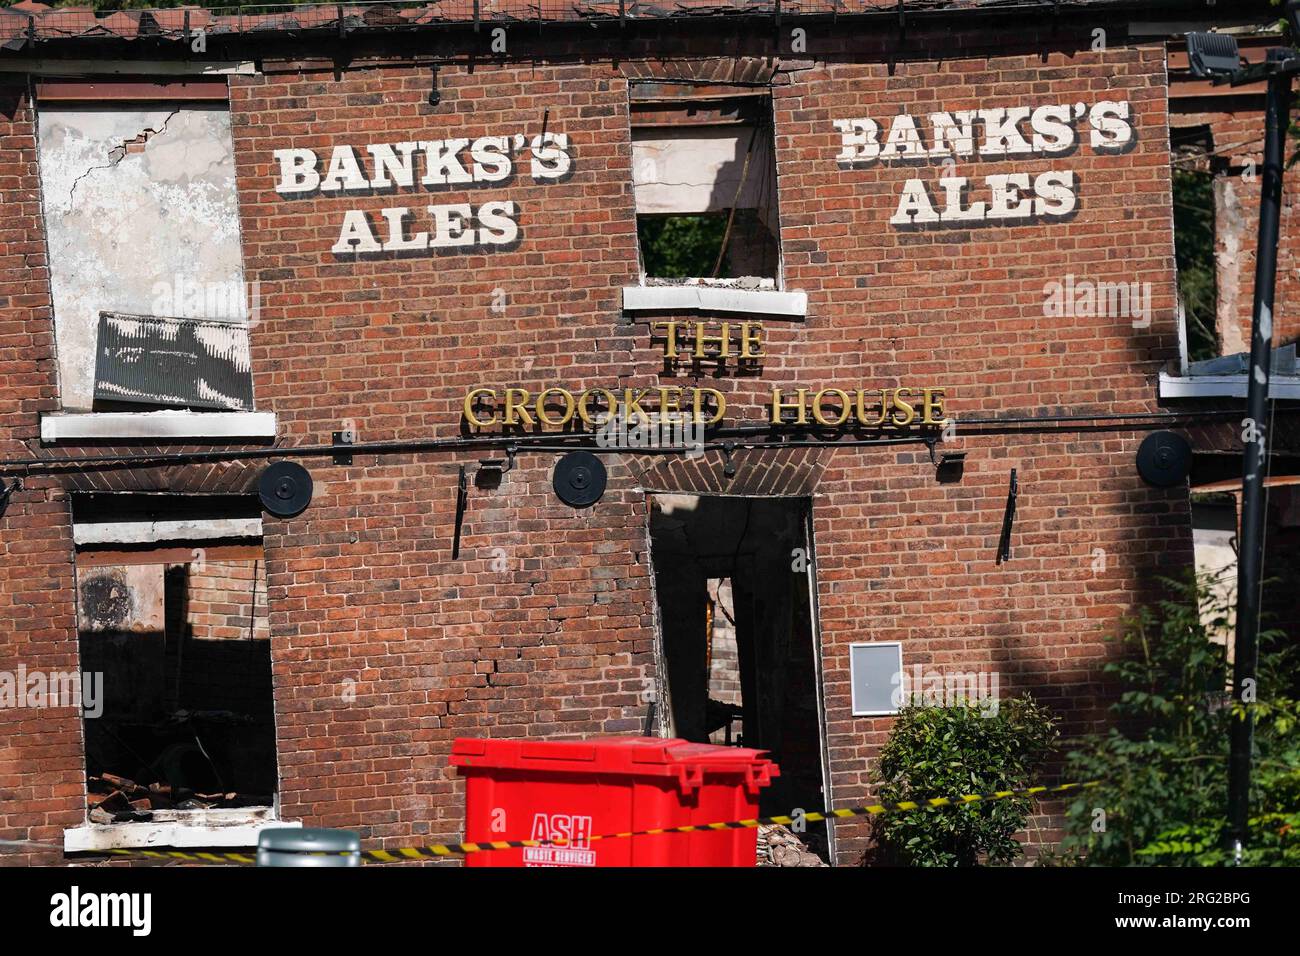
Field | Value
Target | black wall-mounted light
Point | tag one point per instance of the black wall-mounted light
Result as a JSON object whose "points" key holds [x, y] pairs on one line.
{"points": [[1212, 54], [491, 471], [579, 479], [948, 467], [1164, 459], [434, 96]]}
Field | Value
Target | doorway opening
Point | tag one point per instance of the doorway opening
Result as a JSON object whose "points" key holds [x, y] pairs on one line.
{"points": [[739, 655]]}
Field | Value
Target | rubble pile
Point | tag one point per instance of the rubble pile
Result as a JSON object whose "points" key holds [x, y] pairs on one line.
{"points": [[780, 846], [114, 799]]}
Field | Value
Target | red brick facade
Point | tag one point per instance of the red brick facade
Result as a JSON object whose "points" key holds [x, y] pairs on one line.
{"points": [[384, 648], [42, 769]]}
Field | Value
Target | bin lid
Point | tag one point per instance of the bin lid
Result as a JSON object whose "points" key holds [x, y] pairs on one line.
{"points": [[308, 840], [641, 756]]}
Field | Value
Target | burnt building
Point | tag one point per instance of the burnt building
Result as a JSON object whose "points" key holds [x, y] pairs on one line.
{"points": [[871, 269]]}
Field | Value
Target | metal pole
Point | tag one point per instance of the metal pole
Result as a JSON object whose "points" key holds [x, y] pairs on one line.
{"points": [[1251, 555]]}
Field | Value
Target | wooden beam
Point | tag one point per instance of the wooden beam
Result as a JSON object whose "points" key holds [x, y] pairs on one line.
{"points": [[207, 89]]}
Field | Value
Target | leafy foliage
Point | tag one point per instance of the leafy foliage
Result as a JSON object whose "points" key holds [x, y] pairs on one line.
{"points": [[1194, 252], [1164, 767], [941, 751], [681, 247]]}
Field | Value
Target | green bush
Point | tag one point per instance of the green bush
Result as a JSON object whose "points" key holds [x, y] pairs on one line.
{"points": [[681, 247], [943, 751], [1164, 764]]}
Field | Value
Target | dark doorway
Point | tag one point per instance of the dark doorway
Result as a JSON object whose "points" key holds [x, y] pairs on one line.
{"points": [[733, 580]]}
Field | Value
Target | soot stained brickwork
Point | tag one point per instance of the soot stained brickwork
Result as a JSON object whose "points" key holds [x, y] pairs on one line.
{"points": [[385, 649]]}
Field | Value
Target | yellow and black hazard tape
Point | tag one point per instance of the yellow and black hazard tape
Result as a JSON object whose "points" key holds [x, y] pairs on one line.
{"points": [[437, 850]]}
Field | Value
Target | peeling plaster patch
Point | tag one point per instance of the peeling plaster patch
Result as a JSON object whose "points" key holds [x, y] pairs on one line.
{"points": [[1231, 221], [137, 202], [118, 153], [137, 143]]}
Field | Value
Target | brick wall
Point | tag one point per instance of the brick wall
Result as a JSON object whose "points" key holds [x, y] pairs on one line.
{"points": [[42, 785], [226, 599], [901, 557], [384, 648], [362, 586], [724, 655], [224, 661]]}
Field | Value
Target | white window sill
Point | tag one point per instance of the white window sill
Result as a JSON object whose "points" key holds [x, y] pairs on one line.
{"points": [[1224, 386], [169, 424], [152, 532], [176, 828], [707, 298]]}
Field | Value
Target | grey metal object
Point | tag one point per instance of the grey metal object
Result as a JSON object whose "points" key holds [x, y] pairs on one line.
{"points": [[1283, 362], [295, 846], [188, 363]]}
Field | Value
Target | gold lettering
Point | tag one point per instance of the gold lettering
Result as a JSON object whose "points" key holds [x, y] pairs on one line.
{"points": [[469, 407], [610, 402], [908, 413], [516, 399], [722, 340], [751, 340], [933, 405], [670, 337], [845, 407], [862, 406], [699, 405], [631, 403], [567, 397], [779, 405], [899, 407], [669, 400]]}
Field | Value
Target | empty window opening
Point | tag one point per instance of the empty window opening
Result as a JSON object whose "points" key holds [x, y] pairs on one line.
{"points": [[704, 176], [1194, 241], [1196, 167], [733, 584], [142, 225], [176, 628]]}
